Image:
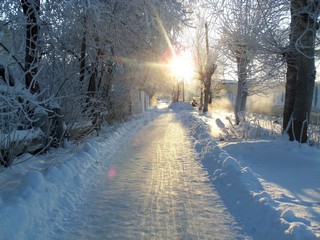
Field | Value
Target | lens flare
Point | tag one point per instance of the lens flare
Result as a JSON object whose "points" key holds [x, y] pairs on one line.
{"points": [[112, 172], [136, 142]]}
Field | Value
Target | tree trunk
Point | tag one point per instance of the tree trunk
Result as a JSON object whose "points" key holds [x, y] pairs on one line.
{"points": [[290, 94], [177, 93], [94, 83], [211, 95], [207, 79], [305, 84], [302, 40], [31, 9], [107, 89], [201, 94], [207, 86], [82, 71], [291, 55], [242, 92], [100, 71], [315, 96]]}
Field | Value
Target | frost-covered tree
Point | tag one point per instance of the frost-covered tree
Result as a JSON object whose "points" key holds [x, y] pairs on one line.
{"points": [[243, 27], [93, 41], [205, 55], [237, 20], [104, 44], [84, 55]]}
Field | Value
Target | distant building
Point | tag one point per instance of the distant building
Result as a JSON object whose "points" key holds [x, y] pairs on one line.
{"points": [[274, 97], [140, 101]]}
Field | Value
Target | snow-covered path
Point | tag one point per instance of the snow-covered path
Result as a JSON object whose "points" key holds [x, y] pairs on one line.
{"points": [[154, 189], [151, 178]]}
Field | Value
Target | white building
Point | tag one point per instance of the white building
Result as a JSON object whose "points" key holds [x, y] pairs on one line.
{"points": [[140, 101], [274, 98]]}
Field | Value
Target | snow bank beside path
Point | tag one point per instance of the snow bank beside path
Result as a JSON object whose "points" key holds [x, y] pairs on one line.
{"points": [[38, 196], [240, 188]]}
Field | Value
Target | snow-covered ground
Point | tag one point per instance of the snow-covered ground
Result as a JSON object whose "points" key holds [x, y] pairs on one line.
{"points": [[154, 189], [38, 194], [271, 186]]}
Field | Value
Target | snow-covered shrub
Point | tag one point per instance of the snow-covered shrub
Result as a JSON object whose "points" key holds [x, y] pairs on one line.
{"points": [[259, 126], [19, 114], [79, 114], [28, 122], [314, 132], [119, 104], [252, 126], [84, 115]]}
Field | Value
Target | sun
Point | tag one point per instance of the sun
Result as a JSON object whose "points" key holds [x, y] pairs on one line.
{"points": [[182, 67]]}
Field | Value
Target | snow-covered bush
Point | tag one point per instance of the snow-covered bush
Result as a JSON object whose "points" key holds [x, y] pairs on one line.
{"points": [[258, 125], [314, 135], [251, 126], [28, 122], [80, 123], [314, 132], [21, 127]]}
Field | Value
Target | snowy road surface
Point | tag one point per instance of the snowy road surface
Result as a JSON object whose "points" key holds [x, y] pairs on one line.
{"points": [[154, 189]]}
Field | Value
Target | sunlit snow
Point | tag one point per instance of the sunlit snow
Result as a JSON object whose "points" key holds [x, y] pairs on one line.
{"points": [[270, 187]]}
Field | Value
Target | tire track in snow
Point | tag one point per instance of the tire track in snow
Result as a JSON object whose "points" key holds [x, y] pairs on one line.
{"points": [[159, 192]]}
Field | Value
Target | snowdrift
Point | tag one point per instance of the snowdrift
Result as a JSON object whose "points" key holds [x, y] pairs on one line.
{"points": [[240, 188], [38, 195]]}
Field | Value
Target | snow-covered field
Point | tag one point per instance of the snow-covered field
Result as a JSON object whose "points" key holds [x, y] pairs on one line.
{"points": [[271, 186]]}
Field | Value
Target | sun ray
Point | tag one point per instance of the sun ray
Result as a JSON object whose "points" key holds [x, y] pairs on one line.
{"points": [[166, 36], [171, 63]]}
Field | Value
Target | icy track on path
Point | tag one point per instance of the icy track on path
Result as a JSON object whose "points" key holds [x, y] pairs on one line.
{"points": [[153, 189]]}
